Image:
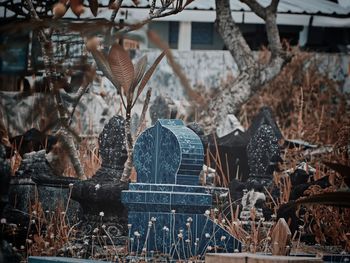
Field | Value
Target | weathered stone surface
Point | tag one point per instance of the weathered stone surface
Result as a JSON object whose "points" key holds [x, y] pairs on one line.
{"points": [[262, 150], [112, 145], [167, 205], [162, 108], [100, 196]]}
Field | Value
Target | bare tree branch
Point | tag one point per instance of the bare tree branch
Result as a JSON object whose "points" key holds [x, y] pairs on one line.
{"points": [[50, 71], [273, 6], [232, 36], [256, 8], [272, 30]]}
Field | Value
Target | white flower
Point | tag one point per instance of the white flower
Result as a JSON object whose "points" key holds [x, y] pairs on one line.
{"points": [[34, 212], [173, 211], [180, 235], [95, 230], [207, 235], [22, 247], [187, 241], [102, 213], [52, 236], [86, 242], [223, 221], [149, 223], [137, 234], [70, 186], [188, 224], [29, 241], [197, 239], [103, 226], [195, 243], [153, 219], [98, 186], [104, 236], [209, 248], [216, 210], [46, 244], [216, 221], [3, 221], [129, 226], [165, 228], [223, 238], [189, 219], [236, 251], [207, 212], [144, 249]]}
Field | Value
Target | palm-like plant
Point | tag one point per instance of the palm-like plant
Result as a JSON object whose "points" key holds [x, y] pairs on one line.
{"points": [[129, 80]]}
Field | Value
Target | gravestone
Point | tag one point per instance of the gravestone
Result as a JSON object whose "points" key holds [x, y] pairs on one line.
{"points": [[162, 108], [263, 152], [168, 210], [100, 196]]}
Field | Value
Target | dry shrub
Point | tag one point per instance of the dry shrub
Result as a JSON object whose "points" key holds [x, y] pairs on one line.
{"points": [[89, 158], [310, 106], [307, 105]]}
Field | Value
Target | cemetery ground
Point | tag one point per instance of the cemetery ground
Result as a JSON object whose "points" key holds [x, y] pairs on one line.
{"points": [[307, 186]]}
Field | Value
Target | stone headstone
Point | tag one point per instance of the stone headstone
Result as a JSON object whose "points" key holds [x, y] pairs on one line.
{"points": [[112, 144], [231, 124], [167, 205], [264, 117], [281, 238], [263, 153], [162, 108], [100, 196], [168, 153]]}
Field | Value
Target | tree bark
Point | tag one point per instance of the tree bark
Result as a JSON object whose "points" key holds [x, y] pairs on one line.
{"points": [[252, 76]]}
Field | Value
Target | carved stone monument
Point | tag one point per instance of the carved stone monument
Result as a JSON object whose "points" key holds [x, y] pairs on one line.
{"points": [[100, 196], [168, 210]]}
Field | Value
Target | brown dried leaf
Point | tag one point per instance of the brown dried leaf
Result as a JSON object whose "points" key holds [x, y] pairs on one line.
{"points": [[77, 7], [103, 65], [148, 75], [59, 10], [140, 69], [121, 67], [187, 3], [93, 4]]}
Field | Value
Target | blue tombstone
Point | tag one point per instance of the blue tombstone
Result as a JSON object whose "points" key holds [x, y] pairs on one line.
{"points": [[167, 206]]}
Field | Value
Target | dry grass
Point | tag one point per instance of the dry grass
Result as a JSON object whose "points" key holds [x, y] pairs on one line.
{"points": [[310, 106]]}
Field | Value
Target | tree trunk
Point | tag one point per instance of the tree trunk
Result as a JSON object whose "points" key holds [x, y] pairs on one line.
{"points": [[252, 76]]}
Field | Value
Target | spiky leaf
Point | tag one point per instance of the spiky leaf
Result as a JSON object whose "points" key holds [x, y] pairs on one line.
{"points": [[148, 75], [93, 4], [140, 69], [121, 67], [103, 65]]}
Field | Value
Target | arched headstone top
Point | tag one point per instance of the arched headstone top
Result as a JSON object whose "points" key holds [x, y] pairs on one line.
{"points": [[168, 153]]}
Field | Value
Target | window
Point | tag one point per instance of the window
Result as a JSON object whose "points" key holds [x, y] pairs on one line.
{"points": [[173, 33], [202, 33]]}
